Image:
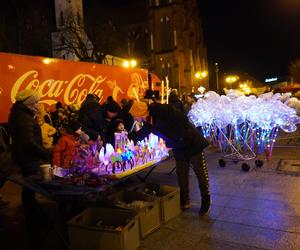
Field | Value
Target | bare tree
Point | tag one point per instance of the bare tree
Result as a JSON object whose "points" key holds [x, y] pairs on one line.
{"points": [[99, 40], [104, 36], [294, 70]]}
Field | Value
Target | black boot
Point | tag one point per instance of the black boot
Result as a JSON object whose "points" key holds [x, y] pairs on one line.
{"points": [[205, 205]]}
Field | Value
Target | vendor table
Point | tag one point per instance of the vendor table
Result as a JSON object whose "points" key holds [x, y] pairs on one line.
{"points": [[55, 188]]}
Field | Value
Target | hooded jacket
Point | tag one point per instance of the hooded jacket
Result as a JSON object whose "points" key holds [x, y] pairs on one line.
{"points": [[64, 151]]}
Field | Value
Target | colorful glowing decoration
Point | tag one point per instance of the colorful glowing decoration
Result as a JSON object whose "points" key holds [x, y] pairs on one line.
{"points": [[243, 126], [127, 155], [93, 168]]}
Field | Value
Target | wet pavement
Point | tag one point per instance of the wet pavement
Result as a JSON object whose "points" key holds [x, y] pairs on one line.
{"points": [[259, 209]]}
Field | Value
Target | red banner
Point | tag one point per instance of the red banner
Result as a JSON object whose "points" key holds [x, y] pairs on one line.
{"points": [[67, 81]]}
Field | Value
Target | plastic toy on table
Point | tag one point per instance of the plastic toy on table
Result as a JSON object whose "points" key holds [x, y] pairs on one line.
{"points": [[123, 160]]}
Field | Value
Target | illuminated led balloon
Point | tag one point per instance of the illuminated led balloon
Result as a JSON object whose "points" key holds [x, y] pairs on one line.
{"points": [[236, 119], [289, 128]]}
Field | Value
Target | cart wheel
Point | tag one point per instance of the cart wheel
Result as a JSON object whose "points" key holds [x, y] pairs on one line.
{"points": [[222, 163], [245, 167], [259, 163]]}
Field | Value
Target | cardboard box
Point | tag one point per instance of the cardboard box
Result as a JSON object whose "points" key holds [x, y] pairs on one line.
{"points": [[104, 228], [169, 197], [146, 206]]}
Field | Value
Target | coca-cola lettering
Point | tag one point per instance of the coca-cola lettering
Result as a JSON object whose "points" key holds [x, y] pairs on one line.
{"points": [[72, 91]]}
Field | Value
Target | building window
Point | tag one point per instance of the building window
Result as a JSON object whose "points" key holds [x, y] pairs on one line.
{"points": [[166, 33], [156, 2]]}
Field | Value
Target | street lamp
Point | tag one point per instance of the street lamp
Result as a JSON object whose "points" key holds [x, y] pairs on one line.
{"points": [[217, 76], [201, 75], [231, 79]]}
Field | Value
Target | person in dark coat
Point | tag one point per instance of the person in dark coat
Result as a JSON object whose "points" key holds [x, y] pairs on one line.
{"points": [[27, 147], [175, 101], [125, 116], [54, 114], [112, 111], [91, 115], [187, 143]]}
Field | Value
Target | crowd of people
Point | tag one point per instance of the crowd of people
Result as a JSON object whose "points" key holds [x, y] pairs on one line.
{"points": [[41, 136]]}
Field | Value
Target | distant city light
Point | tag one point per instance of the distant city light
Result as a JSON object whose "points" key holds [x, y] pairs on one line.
{"points": [[201, 74], [204, 74], [231, 79], [271, 79]]}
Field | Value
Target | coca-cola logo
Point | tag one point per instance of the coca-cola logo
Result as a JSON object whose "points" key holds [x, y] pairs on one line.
{"points": [[72, 91]]}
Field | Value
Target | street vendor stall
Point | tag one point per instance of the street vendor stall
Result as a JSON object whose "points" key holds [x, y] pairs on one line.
{"points": [[107, 169]]}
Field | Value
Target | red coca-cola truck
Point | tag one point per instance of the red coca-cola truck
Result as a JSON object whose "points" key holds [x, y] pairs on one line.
{"points": [[67, 81]]}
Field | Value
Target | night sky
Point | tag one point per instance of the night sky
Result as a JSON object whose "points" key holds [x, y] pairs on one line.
{"points": [[259, 37]]}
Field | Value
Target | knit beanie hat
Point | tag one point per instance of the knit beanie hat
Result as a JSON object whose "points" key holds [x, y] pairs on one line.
{"points": [[139, 109], [28, 96]]}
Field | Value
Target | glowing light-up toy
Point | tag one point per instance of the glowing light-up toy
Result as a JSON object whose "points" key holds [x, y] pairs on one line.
{"points": [[243, 126], [126, 155]]}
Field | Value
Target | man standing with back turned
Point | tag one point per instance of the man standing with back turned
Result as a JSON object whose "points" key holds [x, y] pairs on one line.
{"points": [[187, 143]]}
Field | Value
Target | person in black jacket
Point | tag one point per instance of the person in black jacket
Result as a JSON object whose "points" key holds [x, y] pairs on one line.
{"points": [[124, 114], [187, 143], [175, 101], [91, 115], [27, 147], [112, 111]]}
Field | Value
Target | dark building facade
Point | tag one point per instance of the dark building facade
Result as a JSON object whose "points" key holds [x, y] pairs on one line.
{"points": [[176, 43], [27, 27]]}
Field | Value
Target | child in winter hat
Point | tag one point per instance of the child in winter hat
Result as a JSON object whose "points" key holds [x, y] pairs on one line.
{"points": [[29, 98]]}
